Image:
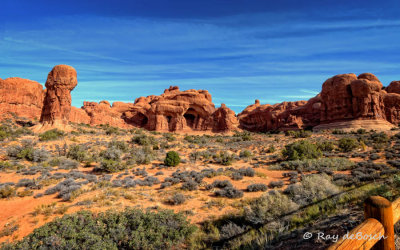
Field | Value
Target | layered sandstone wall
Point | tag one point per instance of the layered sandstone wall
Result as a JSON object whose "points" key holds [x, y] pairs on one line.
{"points": [[343, 98]]}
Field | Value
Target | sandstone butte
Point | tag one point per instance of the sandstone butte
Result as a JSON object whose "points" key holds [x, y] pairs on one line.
{"points": [[346, 101]]}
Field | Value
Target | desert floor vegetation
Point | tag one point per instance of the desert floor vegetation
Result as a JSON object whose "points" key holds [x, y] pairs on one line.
{"points": [[215, 190]]}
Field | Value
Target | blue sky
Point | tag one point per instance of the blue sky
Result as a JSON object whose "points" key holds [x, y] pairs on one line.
{"points": [[238, 50]]}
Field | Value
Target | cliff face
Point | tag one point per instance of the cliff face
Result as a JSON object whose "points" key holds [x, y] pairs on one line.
{"points": [[21, 97], [345, 101]]}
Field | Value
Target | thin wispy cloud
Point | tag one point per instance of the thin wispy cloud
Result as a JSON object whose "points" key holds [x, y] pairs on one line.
{"points": [[265, 51]]}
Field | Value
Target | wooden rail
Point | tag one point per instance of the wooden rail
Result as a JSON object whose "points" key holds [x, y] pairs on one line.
{"points": [[377, 231]]}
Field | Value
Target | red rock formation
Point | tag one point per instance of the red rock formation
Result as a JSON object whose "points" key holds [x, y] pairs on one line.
{"points": [[177, 110], [79, 115], [224, 119], [280, 116], [57, 103], [21, 97], [343, 98], [394, 87], [346, 101], [103, 113]]}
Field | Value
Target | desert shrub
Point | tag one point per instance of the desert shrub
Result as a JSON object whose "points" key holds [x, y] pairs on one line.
{"points": [[236, 176], [49, 135], [112, 130], [120, 145], [64, 189], [301, 150], [326, 146], [338, 132], [223, 158], [256, 187], [197, 155], [269, 207], [379, 138], [271, 149], [229, 230], [29, 184], [243, 136], [245, 154], [219, 184], [229, 192], [110, 166], [4, 132], [176, 199], [77, 152], [9, 228], [4, 165], [40, 155], [169, 137], [348, 144], [144, 140], [276, 184], [165, 184], [209, 173], [298, 133], [247, 171], [130, 229], [311, 188], [316, 164], [65, 163], [172, 159], [195, 139], [28, 152], [143, 155], [189, 185], [150, 181], [361, 131], [113, 154], [8, 131], [374, 156], [6, 191]]}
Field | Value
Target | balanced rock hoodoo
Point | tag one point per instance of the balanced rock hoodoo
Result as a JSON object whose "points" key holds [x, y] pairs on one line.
{"points": [[57, 103]]}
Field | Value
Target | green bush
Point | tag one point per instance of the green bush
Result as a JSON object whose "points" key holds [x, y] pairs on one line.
{"points": [[223, 158], [112, 131], [28, 152], [348, 144], [77, 152], [49, 135], [3, 135], [172, 159], [130, 229], [144, 140], [326, 146], [110, 166], [245, 154], [316, 164], [243, 136], [381, 137], [8, 131], [301, 150], [298, 133], [268, 207]]}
